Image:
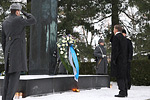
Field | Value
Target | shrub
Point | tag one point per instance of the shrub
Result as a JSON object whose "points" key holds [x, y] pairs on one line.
{"points": [[1, 68], [140, 71], [87, 68]]}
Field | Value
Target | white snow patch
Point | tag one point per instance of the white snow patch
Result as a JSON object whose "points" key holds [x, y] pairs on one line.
{"points": [[136, 93]]}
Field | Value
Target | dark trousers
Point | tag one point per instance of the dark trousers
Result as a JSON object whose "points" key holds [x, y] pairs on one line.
{"points": [[10, 85], [129, 76], [122, 85]]}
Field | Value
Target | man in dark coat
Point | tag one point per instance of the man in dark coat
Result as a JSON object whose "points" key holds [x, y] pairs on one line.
{"points": [[14, 48], [100, 54], [119, 60], [129, 57]]}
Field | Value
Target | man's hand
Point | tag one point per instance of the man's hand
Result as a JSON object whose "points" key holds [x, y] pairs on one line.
{"points": [[24, 13]]}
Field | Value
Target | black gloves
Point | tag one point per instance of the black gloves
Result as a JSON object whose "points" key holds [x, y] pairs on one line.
{"points": [[114, 62], [25, 13]]}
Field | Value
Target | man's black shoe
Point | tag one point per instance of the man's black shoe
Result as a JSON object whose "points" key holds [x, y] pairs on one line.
{"points": [[119, 95]]}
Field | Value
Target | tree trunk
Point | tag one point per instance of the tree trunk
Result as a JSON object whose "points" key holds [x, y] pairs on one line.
{"points": [[28, 32], [68, 30], [115, 16]]}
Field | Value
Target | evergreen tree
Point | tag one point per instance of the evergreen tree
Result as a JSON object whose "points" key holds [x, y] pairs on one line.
{"points": [[4, 6], [142, 38], [87, 13], [72, 13]]}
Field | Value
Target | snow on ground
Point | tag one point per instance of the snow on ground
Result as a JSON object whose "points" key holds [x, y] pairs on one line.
{"points": [[136, 93]]}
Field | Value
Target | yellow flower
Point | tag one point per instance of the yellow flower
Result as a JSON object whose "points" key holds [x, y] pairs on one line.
{"points": [[70, 41], [63, 45], [70, 38], [65, 56], [76, 46], [64, 38], [61, 52], [64, 49], [67, 38], [63, 41], [58, 45], [66, 44]]}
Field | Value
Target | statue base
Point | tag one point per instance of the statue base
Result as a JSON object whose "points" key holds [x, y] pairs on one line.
{"points": [[43, 84]]}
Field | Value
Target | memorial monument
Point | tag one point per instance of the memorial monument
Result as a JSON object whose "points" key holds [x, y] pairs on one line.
{"points": [[42, 58], [43, 37]]}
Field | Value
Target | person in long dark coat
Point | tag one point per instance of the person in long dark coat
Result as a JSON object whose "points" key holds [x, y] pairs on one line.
{"points": [[119, 60], [14, 48], [129, 57], [100, 54]]}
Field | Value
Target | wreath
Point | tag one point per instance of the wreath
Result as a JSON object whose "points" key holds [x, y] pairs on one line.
{"points": [[69, 53]]}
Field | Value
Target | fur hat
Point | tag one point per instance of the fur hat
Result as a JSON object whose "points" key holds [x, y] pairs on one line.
{"points": [[100, 41], [16, 6]]}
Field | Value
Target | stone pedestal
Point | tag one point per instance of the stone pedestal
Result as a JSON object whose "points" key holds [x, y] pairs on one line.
{"points": [[31, 85]]}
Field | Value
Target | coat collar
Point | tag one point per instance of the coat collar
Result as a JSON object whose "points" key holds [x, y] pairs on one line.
{"points": [[13, 15], [117, 33]]}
